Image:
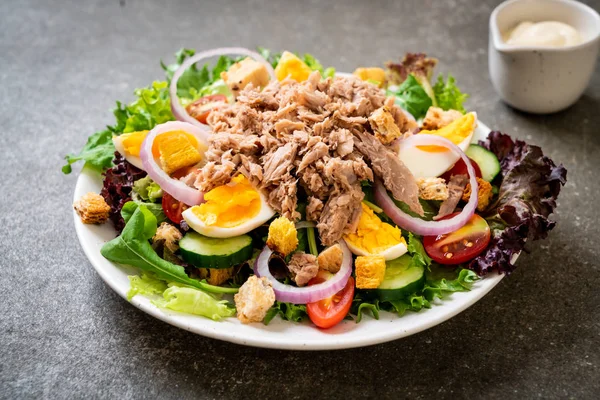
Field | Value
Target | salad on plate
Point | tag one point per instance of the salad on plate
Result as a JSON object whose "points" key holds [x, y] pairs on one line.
{"points": [[259, 185]]}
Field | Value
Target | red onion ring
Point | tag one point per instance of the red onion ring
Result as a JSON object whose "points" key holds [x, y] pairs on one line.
{"points": [[416, 225], [176, 188], [178, 110], [306, 294]]}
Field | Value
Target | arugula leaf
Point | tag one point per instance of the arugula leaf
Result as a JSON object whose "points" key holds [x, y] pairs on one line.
{"points": [[448, 95], [411, 96], [287, 311], [133, 248]]}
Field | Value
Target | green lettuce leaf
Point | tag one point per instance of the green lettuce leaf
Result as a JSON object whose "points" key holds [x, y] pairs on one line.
{"points": [[411, 96], [416, 249], [315, 65], [97, 153], [155, 208], [133, 248], [287, 311], [194, 301], [448, 95], [145, 284], [147, 189]]}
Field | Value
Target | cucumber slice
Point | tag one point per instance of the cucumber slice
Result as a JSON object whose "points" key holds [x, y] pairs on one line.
{"points": [[401, 279], [206, 252], [487, 161]]}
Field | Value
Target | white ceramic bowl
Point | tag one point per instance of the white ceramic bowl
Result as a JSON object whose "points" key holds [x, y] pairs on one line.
{"points": [[542, 79]]}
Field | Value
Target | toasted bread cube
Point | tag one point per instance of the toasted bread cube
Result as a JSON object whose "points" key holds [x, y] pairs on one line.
{"points": [[436, 118], [169, 234], [371, 74], [484, 193], [370, 271], [92, 209], [283, 237], [432, 189], [254, 299], [240, 74], [176, 152], [218, 276], [383, 124], [290, 66], [331, 258]]}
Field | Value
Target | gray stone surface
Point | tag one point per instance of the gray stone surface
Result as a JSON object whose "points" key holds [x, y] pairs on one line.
{"points": [[65, 334]]}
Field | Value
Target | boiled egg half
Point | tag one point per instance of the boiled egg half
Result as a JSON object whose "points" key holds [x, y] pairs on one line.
{"points": [[433, 161], [375, 237], [229, 210], [129, 145]]}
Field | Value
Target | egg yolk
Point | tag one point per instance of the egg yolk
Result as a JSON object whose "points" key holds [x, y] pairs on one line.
{"points": [[132, 142], [229, 205], [456, 132], [291, 66], [374, 235]]}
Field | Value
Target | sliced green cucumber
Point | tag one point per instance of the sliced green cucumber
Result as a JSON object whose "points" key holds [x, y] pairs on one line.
{"points": [[401, 279], [206, 252], [487, 161]]}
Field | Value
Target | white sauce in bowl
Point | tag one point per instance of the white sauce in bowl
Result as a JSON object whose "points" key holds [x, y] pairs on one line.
{"points": [[546, 33]]}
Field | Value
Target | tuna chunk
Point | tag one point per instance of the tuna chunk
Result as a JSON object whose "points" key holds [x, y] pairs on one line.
{"points": [[303, 268], [456, 187], [278, 163], [396, 177], [313, 209], [340, 215]]}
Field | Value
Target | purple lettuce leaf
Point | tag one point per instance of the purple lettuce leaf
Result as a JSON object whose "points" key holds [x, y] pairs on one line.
{"points": [[530, 184]]}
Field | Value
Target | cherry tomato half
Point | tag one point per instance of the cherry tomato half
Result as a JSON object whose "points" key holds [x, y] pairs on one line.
{"points": [[200, 108], [173, 208], [460, 168], [459, 246], [330, 311]]}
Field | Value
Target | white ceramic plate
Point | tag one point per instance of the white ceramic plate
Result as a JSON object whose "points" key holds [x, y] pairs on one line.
{"points": [[278, 334]]}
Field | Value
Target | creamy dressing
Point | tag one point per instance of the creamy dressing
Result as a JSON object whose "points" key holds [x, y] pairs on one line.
{"points": [[546, 33]]}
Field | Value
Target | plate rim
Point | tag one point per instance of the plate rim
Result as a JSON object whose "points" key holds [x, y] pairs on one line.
{"points": [[210, 328]]}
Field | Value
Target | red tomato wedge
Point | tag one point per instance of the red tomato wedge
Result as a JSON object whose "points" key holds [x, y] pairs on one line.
{"points": [[173, 208], [461, 245], [460, 168], [332, 310], [201, 108]]}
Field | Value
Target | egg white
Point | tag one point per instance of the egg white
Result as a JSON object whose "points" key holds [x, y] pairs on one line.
{"points": [[135, 160], [390, 253], [425, 164], [194, 222]]}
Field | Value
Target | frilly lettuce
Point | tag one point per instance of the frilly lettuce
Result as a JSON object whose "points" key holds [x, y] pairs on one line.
{"points": [[529, 186], [147, 189], [448, 95], [193, 301]]}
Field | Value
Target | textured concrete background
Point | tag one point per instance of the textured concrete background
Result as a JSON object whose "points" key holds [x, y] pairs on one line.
{"points": [[64, 333]]}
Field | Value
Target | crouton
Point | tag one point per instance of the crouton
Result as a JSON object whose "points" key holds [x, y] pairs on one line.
{"points": [[432, 188], [371, 74], [177, 151], [169, 234], [436, 118], [370, 271], [484, 194], [242, 73], [330, 259], [92, 209], [254, 299], [218, 276], [303, 268], [283, 238], [383, 124]]}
